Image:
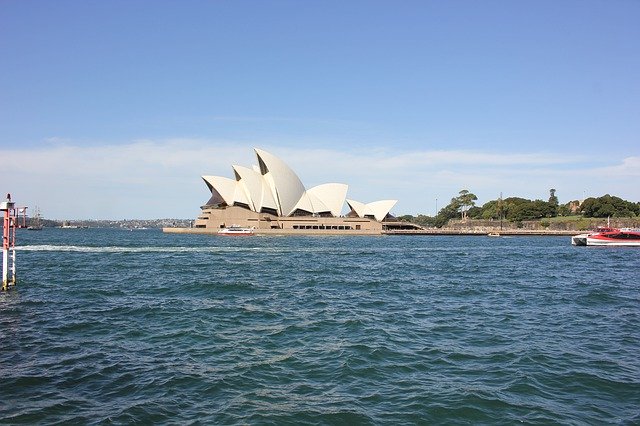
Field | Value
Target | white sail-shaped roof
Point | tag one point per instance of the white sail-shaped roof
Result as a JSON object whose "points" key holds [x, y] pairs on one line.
{"points": [[378, 209], [255, 187], [332, 195], [358, 207], [247, 184], [285, 184], [318, 205], [226, 187], [240, 195], [229, 189], [304, 203]]}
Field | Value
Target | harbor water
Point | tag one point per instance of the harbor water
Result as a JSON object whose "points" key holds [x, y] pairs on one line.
{"points": [[113, 326]]}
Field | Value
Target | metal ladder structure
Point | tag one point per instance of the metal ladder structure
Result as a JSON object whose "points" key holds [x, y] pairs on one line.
{"points": [[8, 243]]}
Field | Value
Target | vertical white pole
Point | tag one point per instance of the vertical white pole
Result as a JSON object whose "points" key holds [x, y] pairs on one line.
{"points": [[5, 248], [14, 222], [13, 263], [5, 267], [7, 243]]}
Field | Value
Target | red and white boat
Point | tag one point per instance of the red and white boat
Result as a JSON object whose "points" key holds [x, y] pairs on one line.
{"points": [[609, 237], [235, 230]]}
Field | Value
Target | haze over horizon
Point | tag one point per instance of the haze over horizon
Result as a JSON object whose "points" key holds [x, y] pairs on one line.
{"points": [[113, 110]]}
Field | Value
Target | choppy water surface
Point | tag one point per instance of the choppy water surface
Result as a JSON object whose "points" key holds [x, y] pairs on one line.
{"points": [[115, 326]]}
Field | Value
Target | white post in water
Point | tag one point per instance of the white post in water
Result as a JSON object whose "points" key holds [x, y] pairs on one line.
{"points": [[8, 242]]}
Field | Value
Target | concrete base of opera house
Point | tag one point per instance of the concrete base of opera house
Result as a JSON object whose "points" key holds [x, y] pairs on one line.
{"points": [[204, 231], [214, 219]]}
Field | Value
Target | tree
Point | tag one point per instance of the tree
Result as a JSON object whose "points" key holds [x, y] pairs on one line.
{"points": [[491, 210], [564, 210], [475, 212], [589, 206], [448, 212], [553, 203], [608, 205], [519, 209], [406, 218], [466, 200]]}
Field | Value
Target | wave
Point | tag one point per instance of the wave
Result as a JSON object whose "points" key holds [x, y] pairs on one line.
{"points": [[195, 249], [165, 249], [124, 249]]}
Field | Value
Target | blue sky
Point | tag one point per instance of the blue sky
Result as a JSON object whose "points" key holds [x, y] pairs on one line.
{"points": [[114, 109]]}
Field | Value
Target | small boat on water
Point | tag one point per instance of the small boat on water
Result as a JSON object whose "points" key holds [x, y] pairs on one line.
{"points": [[608, 237], [235, 230]]}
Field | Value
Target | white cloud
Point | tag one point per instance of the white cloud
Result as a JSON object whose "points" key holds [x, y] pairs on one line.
{"points": [[160, 178], [140, 179], [630, 167]]}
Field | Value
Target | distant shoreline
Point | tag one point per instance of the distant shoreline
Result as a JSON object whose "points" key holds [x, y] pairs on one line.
{"points": [[423, 232]]}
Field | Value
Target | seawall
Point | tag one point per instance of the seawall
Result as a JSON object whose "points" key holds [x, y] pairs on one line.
{"points": [[506, 232]]}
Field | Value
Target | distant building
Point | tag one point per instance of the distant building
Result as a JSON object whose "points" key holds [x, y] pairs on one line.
{"points": [[270, 197], [574, 206]]}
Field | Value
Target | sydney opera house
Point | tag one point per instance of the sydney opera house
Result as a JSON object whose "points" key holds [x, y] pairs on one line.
{"points": [[271, 198]]}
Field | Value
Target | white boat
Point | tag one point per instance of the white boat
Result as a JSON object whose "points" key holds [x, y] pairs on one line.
{"points": [[608, 237], [235, 230], [579, 240]]}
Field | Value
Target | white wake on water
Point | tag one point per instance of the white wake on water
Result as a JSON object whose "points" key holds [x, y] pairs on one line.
{"points": [[122, 249]]}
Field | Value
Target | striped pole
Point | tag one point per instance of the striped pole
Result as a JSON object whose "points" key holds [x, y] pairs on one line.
{"points": [[8, 243]]}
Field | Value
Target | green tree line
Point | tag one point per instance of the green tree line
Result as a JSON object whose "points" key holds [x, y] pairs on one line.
{"points": [[516, 209]]}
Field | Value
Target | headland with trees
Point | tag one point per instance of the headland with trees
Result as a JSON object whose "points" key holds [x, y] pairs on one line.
{"points": [[515, 212]]}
